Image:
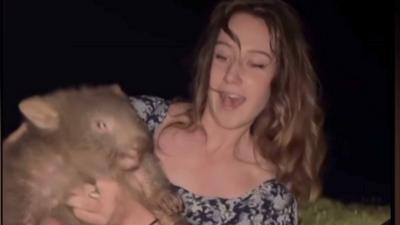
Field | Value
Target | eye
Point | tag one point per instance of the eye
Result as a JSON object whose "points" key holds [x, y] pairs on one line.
{"points": [[101, 125], [221, 57], [256, 65]]}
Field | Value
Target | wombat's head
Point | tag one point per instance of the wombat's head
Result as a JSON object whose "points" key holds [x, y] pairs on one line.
{"points": [[90, 118]]}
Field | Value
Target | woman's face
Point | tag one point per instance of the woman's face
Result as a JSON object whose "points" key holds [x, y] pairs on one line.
{"points": [[240, 77]]}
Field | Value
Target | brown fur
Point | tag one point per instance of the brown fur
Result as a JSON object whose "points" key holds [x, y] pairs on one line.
{"points": [[74, 136]]}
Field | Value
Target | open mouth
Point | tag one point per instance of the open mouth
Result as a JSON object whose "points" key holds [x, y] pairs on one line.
{"points": [[231, 100]]}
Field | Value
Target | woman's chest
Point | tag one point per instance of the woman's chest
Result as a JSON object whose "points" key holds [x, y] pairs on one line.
{"points": [[188, 164], [223, 178]]}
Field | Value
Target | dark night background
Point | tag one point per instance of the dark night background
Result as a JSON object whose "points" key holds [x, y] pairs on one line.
{"points": [[147, 48]]}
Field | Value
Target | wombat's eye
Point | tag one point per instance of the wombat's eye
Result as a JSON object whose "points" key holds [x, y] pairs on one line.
{"points": [[101, 125]]}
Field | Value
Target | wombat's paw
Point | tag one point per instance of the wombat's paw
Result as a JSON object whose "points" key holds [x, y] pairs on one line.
{"points": [[169, 202]]}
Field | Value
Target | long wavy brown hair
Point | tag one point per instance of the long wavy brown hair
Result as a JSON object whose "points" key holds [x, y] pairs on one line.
{"points": [[288, 131]]}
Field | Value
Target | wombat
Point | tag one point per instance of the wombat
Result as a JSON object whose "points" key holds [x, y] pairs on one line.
{"points": [[74, 136]]}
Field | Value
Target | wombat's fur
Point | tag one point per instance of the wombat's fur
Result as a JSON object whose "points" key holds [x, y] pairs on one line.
{"points": [[73, 137]]}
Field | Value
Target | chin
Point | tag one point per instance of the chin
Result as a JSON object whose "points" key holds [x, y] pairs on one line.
{"points": [[229, 119], [231, 123]]}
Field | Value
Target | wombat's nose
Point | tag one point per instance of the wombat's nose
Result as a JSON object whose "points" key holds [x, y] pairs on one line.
{"points": [[141, 144], [136, 146], [129, 158]]}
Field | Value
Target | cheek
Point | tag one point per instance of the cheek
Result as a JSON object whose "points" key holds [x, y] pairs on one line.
{"points": [[216, 74], [260, 89]]}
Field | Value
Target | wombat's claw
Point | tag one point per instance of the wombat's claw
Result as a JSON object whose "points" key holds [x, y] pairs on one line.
{"points": [[170, 203]]}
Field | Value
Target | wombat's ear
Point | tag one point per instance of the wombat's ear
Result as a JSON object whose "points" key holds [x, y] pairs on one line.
{"points": [[117, 90], [39, 112]]}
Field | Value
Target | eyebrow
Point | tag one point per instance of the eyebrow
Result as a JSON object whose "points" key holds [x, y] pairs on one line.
{"points": [[224, 43], [261, 52], [252, 50]]}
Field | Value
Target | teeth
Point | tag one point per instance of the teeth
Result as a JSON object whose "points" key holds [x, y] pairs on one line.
{"points": [[230, 100], [231, 95]]}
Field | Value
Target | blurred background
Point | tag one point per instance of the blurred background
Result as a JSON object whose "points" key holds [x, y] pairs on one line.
{"points": [[147, 47]]}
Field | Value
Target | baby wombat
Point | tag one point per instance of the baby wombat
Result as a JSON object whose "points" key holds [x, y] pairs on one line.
{"points": [[74, 136]]}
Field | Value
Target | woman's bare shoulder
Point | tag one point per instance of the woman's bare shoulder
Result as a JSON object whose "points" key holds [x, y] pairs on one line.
{"points": [[165, 136], [177, 112], [174, 140], [178, 108]]}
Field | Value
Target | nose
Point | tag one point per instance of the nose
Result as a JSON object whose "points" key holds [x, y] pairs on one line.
{"points": [[233, 72], [141, 144]]}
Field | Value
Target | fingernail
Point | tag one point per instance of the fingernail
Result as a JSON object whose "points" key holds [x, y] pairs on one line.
{"points": [[94, 195]]}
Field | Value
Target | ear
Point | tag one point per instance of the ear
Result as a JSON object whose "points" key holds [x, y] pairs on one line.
{"points": [[39, 112], [117, 90]]}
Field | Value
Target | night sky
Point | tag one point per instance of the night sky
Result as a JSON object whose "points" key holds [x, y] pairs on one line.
{"points": [[147, 47]]}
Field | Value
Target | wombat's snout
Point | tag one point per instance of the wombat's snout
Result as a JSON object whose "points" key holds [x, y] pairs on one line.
{"points": [[141, 144], [130, 157]]}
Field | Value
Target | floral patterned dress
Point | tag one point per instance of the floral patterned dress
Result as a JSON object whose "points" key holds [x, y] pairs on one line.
{"points": [[271, 203]]}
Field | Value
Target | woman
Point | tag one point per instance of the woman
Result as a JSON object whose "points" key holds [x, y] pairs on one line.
{"points": [[248, 147]]}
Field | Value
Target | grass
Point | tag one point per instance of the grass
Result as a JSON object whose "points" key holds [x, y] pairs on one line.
{"points": [[329, 212]]}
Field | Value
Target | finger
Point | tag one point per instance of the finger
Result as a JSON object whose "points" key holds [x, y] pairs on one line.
{"points": [[84, 203], [89, 188], [104, 182], [89, 217], [169, 203], [166, 207], [178, 204], [173, 202], [94, 195], [91, 191], [106, 186], [83, 190]]}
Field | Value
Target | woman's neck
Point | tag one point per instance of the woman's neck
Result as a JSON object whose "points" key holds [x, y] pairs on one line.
{"points": [[223, 140]]}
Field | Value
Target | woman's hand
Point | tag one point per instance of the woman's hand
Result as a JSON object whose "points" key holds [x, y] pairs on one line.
{"points": [[111, 204]]}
